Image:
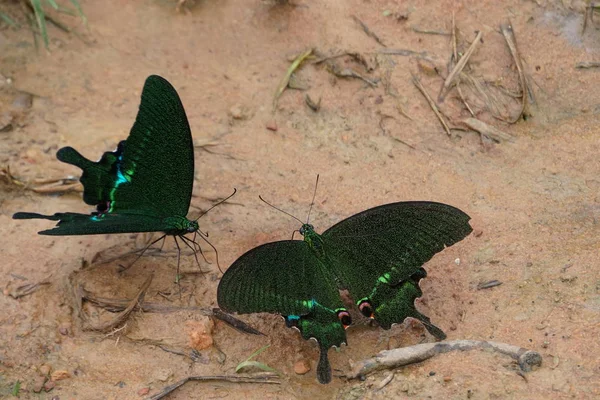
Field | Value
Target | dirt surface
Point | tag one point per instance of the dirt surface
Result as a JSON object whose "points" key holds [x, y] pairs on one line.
{"points": [[534, 202]]}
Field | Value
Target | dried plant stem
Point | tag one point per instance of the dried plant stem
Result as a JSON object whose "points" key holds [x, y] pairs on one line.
{"points": [[432, 104], [262, 378], [511, 42], [460, 65], [387, 359]]}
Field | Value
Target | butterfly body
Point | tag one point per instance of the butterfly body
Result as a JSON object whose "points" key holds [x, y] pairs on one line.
{"points": [[377, 255]]}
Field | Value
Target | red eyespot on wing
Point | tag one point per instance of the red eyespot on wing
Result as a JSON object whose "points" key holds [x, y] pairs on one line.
{"points": [[366, 309], [345, 318], [102, 208]]}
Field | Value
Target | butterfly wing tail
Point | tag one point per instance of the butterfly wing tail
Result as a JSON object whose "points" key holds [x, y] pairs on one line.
{"points": [[323, 368], [71, 156], [29, 215], [323, 325], [393, 304]]}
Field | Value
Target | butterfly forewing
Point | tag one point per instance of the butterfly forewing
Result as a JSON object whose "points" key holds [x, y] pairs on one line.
{"points": [[158, 155], [391, 242], [377, 254]]}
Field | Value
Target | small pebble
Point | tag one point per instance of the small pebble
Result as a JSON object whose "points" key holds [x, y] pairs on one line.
{"points": [[200, 333], [49, 385], [240, 112], [44, 369], [23, 101], [143, 391], [272, 126], [60, 375], [302, 367], [38, 384], [447, 378]]}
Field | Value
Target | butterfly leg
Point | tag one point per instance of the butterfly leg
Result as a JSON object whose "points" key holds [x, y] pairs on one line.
{"points": [[186, 241], [124, 268]]}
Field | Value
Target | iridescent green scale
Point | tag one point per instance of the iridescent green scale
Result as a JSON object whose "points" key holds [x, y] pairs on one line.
{"points": [[377, 255]]}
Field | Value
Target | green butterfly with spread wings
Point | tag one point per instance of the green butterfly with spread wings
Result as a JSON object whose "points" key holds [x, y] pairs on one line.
{"points": [[377, 255]]}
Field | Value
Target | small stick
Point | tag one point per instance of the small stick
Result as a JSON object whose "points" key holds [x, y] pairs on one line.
{"points": [[487, 130], [432, 104], [286, 78], [511, 42], [402, 52], [262, 378], [349, 73], [587, 64], [454, 60], [386, 359], [488, 284], [116, 305], [122, 317], [27, 289], [418, 29], [454, 41], [369, 32], [460, 65]]}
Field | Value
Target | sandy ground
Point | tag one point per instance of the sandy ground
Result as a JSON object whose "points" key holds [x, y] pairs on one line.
{"points": [[534, 201]]}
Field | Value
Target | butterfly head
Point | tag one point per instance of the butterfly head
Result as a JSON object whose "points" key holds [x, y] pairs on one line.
{"points": [[306, 228], [193, 226]]}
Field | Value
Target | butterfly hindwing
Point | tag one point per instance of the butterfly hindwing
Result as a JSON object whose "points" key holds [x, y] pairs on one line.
{"points": [[287, 278], [377, 254]]}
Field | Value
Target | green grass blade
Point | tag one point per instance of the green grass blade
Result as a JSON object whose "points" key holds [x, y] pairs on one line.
{"points": [[40, 17], [11, 22], [79, 11], [53, 4], [16, 389], [256, 364]]}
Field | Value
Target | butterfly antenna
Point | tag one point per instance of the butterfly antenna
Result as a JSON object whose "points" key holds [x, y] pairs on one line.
{"points": [[219, 203], [279, 209], [313, 199]]}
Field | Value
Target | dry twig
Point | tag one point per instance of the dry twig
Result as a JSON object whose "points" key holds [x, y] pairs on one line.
{"points": [[511, 42], [587, 64], [460, 65], [368, 31], [118, 305], [259, 378], [26, 289], [123, 315], [348, 73], [42, 186], [487, 130], [419, 85], [386, 359]]}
